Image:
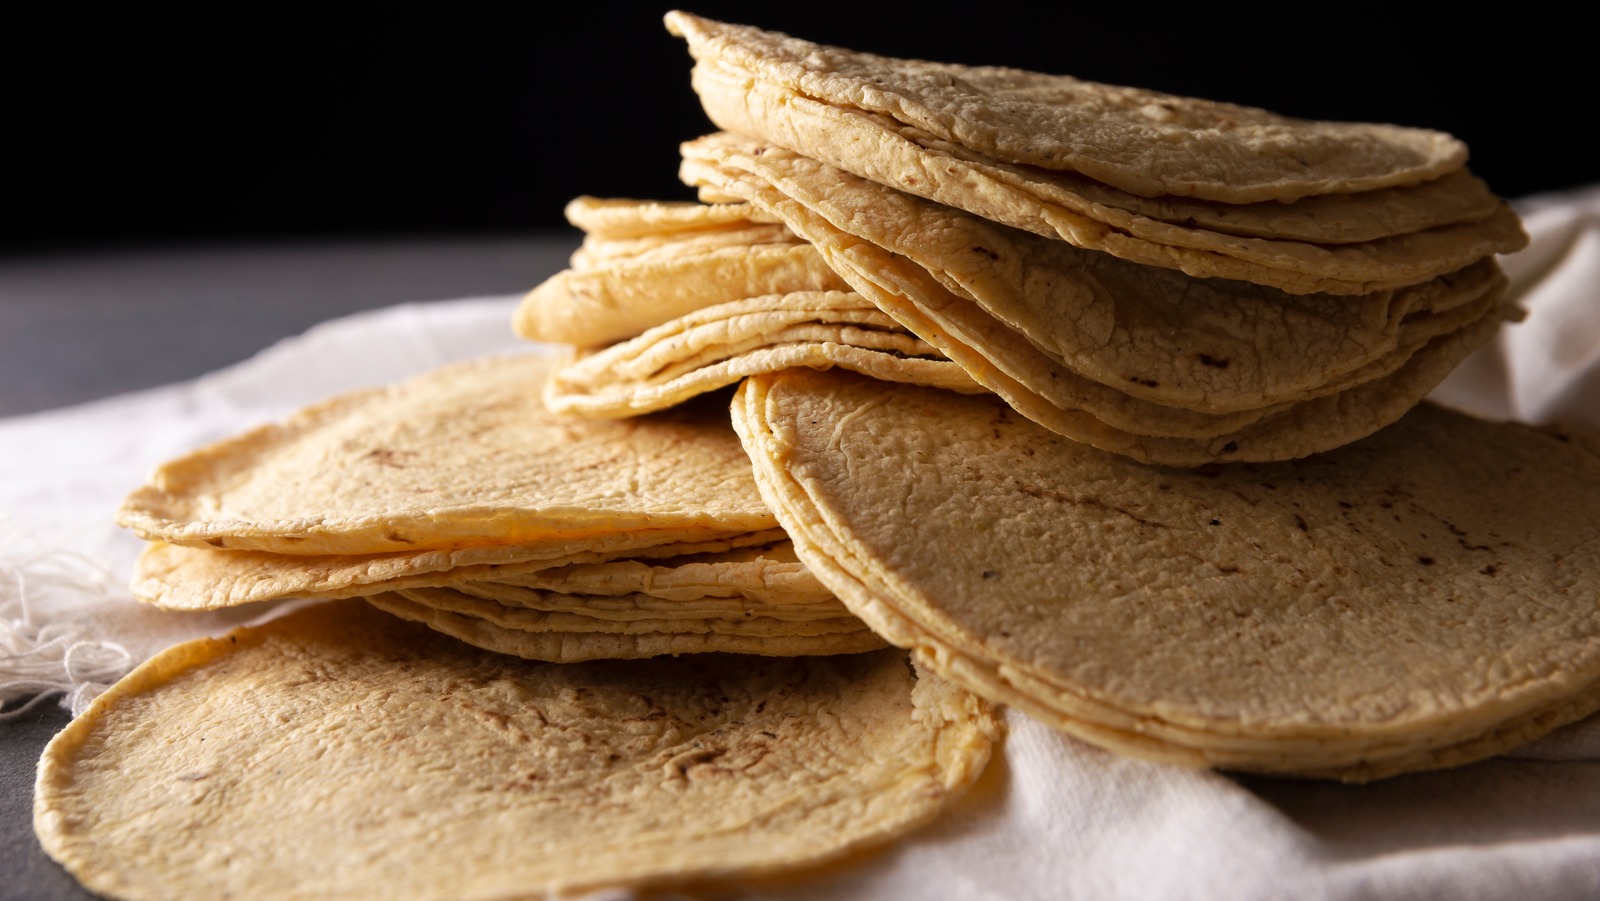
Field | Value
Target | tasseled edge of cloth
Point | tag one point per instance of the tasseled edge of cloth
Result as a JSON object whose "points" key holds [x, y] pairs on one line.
{"points": [[44, 657]]}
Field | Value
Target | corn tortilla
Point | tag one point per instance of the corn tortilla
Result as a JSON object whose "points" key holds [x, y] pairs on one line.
{"points": [[1423, 597], [341, 752]]}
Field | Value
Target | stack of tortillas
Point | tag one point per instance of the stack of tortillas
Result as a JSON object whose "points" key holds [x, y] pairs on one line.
{"points": [[1178, 281], [540, 753], [1102, 403], [1422, 598], [458, 500], [675, 300], [1172, 279]]}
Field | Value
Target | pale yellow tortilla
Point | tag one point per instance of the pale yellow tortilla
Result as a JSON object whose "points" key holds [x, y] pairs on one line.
{"points": [[1423, 597], [1141, 141], [615, 300], [1204, 344], [174, 577], [643, 263], [620, 218], [463, 456], [554, 642], [574, 620], [1338, 243], [714, 347], [344, 753], [595, 253], [767, 572]]}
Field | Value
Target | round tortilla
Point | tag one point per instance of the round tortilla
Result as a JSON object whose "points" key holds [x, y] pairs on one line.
{"points": [[462, 456], [621, 218], [1421, 598], [343, 753], [615, 299], [576, 638], [174, 577], [714, 347], [1340, 243], [1210, 345], [1141, 141]]}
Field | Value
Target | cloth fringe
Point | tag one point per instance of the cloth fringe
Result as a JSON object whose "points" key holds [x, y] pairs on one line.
{"points": [[45, 657]]}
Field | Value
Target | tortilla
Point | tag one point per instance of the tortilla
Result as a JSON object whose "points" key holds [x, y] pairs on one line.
{"points": [[620, 218], [612, 300], [643, 263], [765, 579], [751, 600], [714, 347], [443, 611], [1421, 598], [459, 457], [1336, 243], [174, 577], [344, 753], [1211, 345], [1140, 141]]}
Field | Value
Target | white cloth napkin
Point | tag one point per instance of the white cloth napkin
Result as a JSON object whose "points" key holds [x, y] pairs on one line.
{"points": [[1053, 817]]}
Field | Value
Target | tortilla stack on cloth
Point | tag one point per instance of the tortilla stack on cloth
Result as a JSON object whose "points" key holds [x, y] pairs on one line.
{"points": [[338, 752], [1419, 599], [1138, 360], [1212, 189], [461, 476]]}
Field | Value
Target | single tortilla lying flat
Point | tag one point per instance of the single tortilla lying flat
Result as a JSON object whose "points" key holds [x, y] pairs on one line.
{"points": [[174, 577], [580, 637], [340, 752], [1422, 598]]}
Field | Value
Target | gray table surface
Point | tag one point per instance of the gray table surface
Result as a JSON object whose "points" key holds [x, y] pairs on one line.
{"points": [[84, 325]]}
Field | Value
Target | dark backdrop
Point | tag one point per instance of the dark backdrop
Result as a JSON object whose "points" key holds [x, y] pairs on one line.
{"points": [[251, 121]]}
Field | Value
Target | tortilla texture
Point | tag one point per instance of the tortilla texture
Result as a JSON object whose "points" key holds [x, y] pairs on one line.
{"points": [[175, 577], [715, 347], [1335, 243], [462, 456], [1424, 597], [341, 752], [1141, 141], [1203, 344]]}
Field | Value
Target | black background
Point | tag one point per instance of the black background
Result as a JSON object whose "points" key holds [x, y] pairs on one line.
{"points": [[254, 121]]}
